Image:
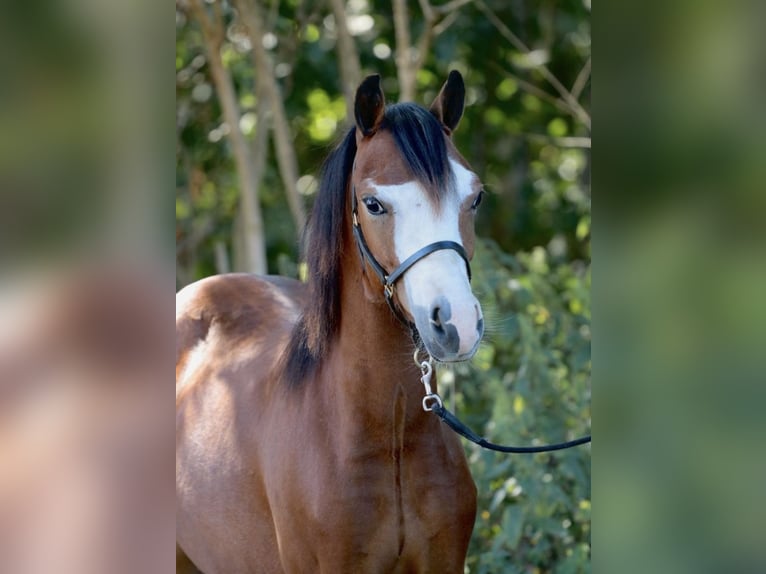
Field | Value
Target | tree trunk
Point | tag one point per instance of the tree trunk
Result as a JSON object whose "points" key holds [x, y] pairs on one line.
{"points": [[254, 247], [348, 58], [404, 52], [260, 153], [221, 257], [286, 159]]}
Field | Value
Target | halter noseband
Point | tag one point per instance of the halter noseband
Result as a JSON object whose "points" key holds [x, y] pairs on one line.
{"points": [[388, 280]]}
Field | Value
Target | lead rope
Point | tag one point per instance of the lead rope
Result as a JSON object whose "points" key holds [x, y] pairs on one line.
{"points": [[432, 402]]}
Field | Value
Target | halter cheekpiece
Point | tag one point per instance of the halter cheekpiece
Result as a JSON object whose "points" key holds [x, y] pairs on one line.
{"points": [[388, 280]]}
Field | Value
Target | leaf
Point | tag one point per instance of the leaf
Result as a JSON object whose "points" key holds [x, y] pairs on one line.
{"points": [[513, 525]]}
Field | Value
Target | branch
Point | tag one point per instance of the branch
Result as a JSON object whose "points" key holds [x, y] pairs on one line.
{"points": [[428, 11], [572, 142], [581, 81], [536, 91], [450, 7], [218, 18], [445, 23], [565, 94], [210, 31], [436, 19], [424, 45]]}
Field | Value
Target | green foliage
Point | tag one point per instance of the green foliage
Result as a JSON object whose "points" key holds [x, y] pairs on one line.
{"points": [[510, 133], [530, 384]]}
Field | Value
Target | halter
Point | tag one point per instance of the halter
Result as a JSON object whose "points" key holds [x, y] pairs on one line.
{"points": [[388, 280]]}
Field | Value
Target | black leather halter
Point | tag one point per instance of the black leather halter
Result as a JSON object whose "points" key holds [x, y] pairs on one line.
{"points": [[388, 280]]}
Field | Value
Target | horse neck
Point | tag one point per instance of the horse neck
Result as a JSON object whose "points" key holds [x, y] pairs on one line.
{"points": [[373, 369]]}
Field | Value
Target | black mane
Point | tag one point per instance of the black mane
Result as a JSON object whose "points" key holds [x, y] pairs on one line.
{"points": [[419, 137]]}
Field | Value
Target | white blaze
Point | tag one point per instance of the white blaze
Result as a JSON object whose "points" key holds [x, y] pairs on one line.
{"points": [[442, 273]]}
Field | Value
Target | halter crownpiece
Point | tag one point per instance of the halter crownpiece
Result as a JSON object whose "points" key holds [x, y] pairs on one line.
{"points": [[389, 279]]}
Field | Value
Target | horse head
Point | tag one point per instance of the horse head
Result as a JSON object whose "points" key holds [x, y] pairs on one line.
{"points": [[414, 200]]}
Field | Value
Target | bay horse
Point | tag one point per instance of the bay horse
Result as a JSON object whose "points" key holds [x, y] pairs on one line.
{"points": [[301, 443]]}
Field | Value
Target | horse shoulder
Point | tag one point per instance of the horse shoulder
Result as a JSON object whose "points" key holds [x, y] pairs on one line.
{"points": [[230, 332], [229, 311]]}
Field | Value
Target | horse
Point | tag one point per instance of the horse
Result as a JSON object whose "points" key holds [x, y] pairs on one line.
{"points": [[301, 440]]}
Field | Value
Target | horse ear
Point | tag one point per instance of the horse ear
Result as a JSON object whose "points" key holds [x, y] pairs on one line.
{"points": [[369, 105], [448, 105]]}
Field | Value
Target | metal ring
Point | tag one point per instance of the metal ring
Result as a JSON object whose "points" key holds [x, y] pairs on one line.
{"points": [[429, 359], [432, 397]]}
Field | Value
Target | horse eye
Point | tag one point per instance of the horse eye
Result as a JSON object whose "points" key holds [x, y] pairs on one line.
{"points": [[374, 207], [477, 201]]}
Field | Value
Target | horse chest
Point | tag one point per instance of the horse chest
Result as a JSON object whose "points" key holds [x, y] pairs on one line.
{"points": [[388, 512]]}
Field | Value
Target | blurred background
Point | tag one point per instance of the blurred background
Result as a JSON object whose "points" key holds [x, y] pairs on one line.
{"points": [[86, 173], [86, 288], [265, 89], [680, 314]]}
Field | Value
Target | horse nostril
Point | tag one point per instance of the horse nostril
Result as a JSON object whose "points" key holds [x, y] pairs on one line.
{"points": [[436, 320]]}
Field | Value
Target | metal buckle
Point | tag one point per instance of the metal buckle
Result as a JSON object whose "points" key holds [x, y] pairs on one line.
{"points": [[388, 289], [432, 406]]}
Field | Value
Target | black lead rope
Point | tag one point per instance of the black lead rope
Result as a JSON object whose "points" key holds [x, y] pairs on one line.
{"points": [[433, 402], [457, 425]]}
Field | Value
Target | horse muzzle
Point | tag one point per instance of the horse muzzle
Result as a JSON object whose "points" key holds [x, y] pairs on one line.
{"points": [[450, 331]]}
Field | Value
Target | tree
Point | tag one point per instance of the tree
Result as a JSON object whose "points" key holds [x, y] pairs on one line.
{"points": [[253, 244]]}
